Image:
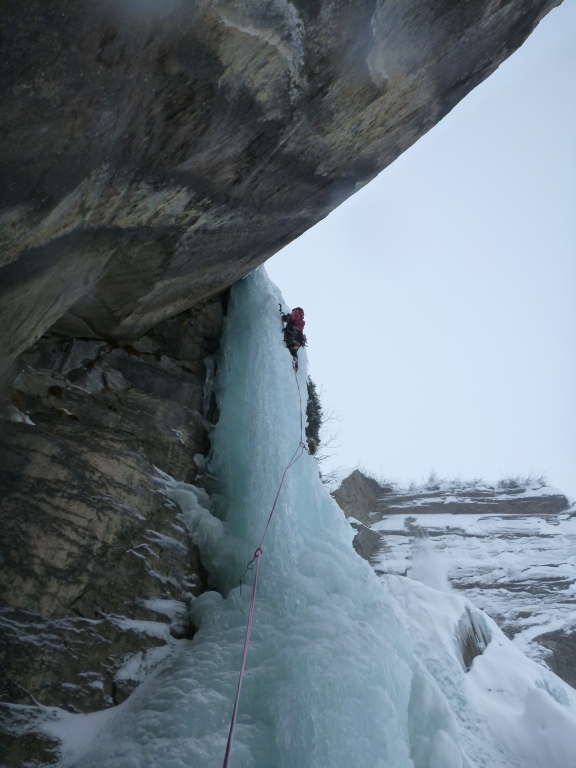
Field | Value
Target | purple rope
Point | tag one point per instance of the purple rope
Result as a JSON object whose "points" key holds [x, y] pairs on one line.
{"points": [[243, 665]]}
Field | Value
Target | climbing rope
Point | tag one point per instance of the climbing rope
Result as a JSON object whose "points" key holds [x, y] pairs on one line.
{"points": [[255, 563]]}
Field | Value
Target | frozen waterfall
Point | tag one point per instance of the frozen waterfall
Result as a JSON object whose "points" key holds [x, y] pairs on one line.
{"points": [[334, 678]]}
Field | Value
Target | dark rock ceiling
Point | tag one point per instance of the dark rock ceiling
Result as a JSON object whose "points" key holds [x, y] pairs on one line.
{"points": [[153, 152]]}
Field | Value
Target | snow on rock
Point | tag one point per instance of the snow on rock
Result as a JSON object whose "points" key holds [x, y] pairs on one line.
{"points": [[511, 712], [368, 500], [520, 569]]}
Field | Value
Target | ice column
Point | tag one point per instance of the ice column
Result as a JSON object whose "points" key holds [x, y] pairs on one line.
{"points": [[331, 679]]}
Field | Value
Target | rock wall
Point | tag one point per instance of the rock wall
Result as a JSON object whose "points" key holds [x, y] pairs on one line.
{"points": [[357, 496], [366, 500], [507, 547], [153, 152], [97, 570], [561, 658]]}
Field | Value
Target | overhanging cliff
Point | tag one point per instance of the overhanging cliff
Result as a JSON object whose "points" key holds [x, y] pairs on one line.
{"points": [[154, 152]]}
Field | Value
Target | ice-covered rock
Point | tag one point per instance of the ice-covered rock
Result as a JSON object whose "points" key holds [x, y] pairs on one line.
{"points": [[342, 669]]}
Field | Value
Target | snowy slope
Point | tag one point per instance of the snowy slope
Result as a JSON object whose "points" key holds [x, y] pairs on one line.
{"points": [[506, 700], [521, 570]]}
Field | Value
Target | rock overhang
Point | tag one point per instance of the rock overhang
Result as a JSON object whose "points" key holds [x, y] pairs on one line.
{"points": [[155, 153]]}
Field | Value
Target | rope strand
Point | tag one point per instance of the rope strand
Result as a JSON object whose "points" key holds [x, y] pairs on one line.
{"points": [[256, 559]]}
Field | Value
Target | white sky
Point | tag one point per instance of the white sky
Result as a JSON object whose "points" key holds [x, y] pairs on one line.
{"points": [[440, 299]]}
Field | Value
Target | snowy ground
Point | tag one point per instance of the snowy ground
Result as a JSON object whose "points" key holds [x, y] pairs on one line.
{"points": [[521, 570]]}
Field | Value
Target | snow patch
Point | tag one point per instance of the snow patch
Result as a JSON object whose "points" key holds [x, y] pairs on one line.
{"points": [[427, 564]]}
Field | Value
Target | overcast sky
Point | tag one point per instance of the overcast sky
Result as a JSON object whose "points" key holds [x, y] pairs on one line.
{"points": [[441, 299]]}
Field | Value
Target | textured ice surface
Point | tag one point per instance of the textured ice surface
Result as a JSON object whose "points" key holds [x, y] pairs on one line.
{"points": [[331, 671], [332, 678]]}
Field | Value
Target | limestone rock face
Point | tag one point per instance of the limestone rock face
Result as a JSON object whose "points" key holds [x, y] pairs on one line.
{"points": [[366, 541], [507, 547], [561, 645], [153, 152], [467, 499], [366, 500], [358, 496], [96, 569]]}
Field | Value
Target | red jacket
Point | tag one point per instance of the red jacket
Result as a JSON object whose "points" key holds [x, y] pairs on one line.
{"points": [[296, 318]]}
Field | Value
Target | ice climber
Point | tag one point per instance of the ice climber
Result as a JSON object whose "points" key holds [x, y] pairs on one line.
{"points": [[294, 332]]}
